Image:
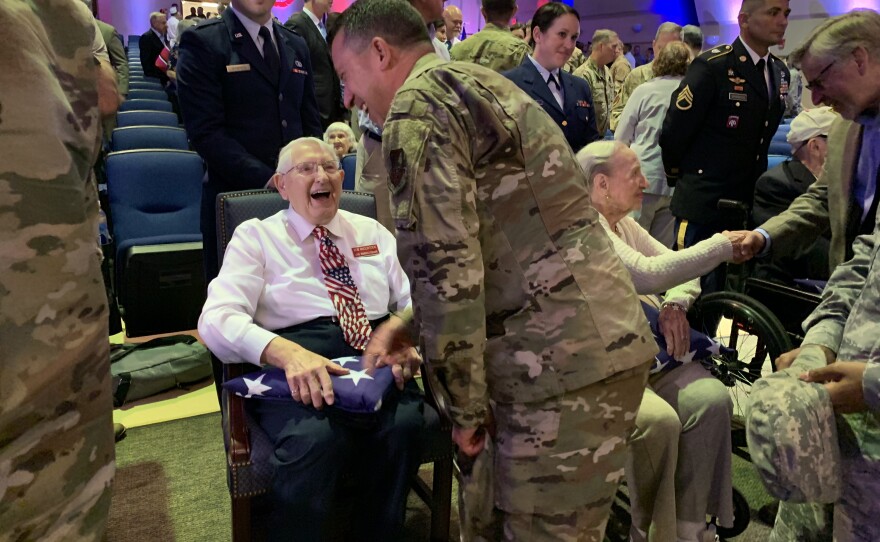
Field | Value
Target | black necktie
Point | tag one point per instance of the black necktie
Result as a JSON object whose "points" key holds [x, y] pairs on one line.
{"points": [[552, 79], [270, 55], [760, 67]]}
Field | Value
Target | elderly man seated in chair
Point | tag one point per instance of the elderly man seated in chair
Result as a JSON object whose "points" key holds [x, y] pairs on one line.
{"points": [[296, 290]]}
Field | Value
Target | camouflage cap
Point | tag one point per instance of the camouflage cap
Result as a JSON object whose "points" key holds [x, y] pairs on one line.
{"points": [[792, 437]]}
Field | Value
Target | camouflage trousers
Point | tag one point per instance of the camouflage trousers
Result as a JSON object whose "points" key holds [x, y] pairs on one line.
{"points": [[554, 466], [856, 511]]}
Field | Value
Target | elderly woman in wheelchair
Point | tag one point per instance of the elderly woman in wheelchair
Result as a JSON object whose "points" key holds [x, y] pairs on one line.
{"points": [[679, 470]]}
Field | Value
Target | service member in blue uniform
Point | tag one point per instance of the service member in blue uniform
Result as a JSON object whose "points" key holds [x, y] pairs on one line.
{"points": [[243, 98], [568, 100], [719, 126]]}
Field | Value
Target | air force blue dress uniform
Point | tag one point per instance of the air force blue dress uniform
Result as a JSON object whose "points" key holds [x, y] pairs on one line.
{"points": [[576, 117], [238, 112]]}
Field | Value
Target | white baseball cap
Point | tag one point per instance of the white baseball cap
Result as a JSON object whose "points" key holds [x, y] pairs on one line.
{"points": [[811, 123]]}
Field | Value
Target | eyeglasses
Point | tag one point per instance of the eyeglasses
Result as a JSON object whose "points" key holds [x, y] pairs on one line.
{"points": [[817, 84], [309, 169]]}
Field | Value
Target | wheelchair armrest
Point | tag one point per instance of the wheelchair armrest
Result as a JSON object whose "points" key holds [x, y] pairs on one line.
{"points": [[239, 439], [435, 397]]}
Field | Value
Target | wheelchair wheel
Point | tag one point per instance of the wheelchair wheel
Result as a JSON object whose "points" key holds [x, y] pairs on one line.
{"points": [[742, 515], [750, 329]]}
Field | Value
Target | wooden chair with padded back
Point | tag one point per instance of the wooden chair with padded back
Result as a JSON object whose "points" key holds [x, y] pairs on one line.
{"points": [[248, 448]]}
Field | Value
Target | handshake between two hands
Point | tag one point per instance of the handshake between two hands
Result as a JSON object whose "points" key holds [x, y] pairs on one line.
{"points": [[746, 244]]}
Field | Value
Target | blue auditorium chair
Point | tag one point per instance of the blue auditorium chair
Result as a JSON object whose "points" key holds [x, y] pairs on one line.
{"points": [[779, 146], [146, 118], [146, 105], [248, 449], [774, 160], [155, 201], [349, 163], [146, 94], [144, 85], [149, 137]]}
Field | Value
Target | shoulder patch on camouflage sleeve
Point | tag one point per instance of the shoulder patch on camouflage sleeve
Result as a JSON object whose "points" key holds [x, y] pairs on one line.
{"points": [[685, 99], [397, 169]]}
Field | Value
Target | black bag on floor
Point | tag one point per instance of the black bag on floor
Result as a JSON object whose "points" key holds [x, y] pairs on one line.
{"points": [[142, 370]]}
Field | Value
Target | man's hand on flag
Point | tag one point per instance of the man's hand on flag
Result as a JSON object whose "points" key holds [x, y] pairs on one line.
{"points": [[307, 373]]}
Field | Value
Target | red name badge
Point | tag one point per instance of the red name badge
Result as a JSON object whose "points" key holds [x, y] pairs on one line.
{"points": [[366, 250]]}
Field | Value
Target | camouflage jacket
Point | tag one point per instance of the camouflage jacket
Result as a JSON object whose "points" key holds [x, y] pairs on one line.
{"points": [[56, 441], [602, 87], [848, 319], [493, 47], [620, 69], [575, 61], [516, 288], [636, 77]]}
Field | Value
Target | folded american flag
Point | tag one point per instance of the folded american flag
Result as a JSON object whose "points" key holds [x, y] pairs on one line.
{"points": [[702, 346], [356, 392]]}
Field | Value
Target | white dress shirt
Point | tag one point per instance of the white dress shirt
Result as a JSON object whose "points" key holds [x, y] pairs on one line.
{"points": [[171, 32], [271, 279], [555, 89]]}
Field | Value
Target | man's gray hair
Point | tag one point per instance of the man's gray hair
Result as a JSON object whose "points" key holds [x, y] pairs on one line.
{"points": [[287, 156], [667, 28], [395, 21], [692, 36], [603, 35], [838, 36], [595, 158], [155, 16]]}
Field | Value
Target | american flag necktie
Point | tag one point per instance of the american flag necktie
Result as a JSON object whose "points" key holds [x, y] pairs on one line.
{"points": [[343, 292]]}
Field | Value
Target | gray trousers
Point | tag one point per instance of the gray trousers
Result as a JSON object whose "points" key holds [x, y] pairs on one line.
{"points": [[679, 465]]}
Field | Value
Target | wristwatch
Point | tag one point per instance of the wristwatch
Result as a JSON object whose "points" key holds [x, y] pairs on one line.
{"points": [[672, 305]]}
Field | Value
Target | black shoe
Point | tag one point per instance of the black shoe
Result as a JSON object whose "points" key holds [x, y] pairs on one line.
{"points": [[118, 431]]}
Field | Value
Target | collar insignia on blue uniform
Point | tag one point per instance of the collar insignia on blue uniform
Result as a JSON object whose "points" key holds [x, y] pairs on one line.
{"points": [[685, 99], [237, 35], [742, 58], [297, 63]]}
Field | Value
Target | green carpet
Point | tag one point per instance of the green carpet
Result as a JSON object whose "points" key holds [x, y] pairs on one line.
{"points": [[171, 486]]}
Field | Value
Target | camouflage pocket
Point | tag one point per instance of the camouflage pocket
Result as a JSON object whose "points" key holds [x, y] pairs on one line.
{"points": [[404, 144]]}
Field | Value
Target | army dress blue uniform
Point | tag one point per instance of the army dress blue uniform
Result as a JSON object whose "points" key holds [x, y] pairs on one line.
{"points": [[715, 138]]}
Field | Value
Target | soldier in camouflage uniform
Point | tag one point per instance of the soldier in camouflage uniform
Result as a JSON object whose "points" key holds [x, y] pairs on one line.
{"points": [[575, 61], [841, 62], [666, 33], [524, 310], [494, 47], [56, 437], [596, 73], [620, 68]]}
